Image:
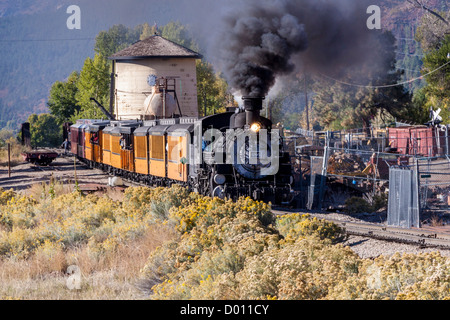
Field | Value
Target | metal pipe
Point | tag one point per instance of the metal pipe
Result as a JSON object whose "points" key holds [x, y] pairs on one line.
{"points": [[446, 140], [164, 102], [108, 115], [112, 87]]}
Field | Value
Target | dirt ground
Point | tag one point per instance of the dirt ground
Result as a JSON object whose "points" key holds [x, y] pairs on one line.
{"points": [[64, 169]]}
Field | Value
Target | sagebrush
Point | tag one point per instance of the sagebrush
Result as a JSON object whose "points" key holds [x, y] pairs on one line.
{"points": [[203, 248]]}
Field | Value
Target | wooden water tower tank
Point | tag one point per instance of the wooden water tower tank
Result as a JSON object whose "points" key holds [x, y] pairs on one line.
{"points": [[137, 69]]}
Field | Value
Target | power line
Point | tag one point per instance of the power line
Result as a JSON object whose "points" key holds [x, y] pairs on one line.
{"points": [[44, 40], [411, 70], [389, 85], [410, 54]]}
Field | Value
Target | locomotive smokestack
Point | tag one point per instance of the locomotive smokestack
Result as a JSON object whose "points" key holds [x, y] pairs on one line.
{"points": [[251, 115], [252, 107], [253, 103]]}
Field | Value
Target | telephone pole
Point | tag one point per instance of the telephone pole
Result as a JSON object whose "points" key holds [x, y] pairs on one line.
{"points": [[306, 103]]}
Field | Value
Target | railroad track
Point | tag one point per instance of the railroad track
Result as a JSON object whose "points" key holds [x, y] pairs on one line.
{"points": [[420, 237], [50, 167]]}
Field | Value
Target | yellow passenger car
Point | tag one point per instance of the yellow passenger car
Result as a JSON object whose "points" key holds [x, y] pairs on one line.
{"points": [[94, 141], [106, 146], [142, 148], [158, 151], [178, 141]]}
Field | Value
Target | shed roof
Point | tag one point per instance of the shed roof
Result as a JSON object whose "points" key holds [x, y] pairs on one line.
{"points": [[155, 47]]}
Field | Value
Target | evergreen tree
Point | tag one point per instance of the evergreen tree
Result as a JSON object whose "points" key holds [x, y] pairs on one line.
{"points": [[434, 37], [438, 83], [348, 104]]}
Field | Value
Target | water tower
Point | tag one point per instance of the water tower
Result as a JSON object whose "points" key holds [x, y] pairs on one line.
{"points": [[153, 73]]}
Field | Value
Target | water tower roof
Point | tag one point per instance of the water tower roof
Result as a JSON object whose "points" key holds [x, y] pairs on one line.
{"points": [[155, 47]]}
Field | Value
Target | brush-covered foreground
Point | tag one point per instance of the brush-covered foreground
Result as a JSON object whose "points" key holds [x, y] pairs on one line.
{"points": [[171, 244]]}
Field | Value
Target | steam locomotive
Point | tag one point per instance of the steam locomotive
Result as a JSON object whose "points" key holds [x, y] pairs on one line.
{"points": [[226, 155]]}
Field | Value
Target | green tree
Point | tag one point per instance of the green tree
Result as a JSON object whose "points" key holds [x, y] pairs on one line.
{"points": [[212, 90], [118, 37], [93, 82], [147, 31], [6, 135], [45, 130], [178, 33], [62, 101], [346, 104], [434, 36], [436, 65]]}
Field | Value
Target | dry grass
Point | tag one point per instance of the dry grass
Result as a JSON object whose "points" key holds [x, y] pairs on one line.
{"points": [[54, 188], [111, 276], [15, 156], [436, 221]]}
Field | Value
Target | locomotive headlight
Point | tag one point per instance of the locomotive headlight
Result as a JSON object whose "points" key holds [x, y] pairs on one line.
{"points": [[255, 127]]}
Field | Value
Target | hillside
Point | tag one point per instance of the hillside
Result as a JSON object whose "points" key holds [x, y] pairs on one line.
{"points": [[37, 49]]}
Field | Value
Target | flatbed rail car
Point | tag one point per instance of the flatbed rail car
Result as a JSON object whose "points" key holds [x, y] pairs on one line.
{"points": [[43, 158]]}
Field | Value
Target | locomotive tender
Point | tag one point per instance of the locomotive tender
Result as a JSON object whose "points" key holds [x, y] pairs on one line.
{"points": [[227, 155]]}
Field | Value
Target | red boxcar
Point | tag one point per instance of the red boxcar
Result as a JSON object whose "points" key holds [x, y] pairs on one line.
{"points": [[418, 140], [77, 137]]}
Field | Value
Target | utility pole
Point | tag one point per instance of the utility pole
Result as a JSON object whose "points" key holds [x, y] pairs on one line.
{"points": [[306, 103], [9, 160], [204, 100]]}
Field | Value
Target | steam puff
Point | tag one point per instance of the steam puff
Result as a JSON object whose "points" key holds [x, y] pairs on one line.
{"points": [[260, 50], [262, 40]]}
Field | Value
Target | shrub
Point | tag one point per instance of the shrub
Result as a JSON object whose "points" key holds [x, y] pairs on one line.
{"points": [[216, 237], [357, 205], [295, 226], [218, 249]]}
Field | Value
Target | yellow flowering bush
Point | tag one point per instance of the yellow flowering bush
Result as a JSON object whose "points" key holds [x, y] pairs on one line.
{"points": [[302, 270], [73, 219], [6, 195], [238, 250], [154, 201], [295, 225], [216, 236], [18, 211], [220, 249]]}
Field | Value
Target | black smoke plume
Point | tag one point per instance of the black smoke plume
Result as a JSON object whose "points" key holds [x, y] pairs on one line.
{"points": [[263, 40]]}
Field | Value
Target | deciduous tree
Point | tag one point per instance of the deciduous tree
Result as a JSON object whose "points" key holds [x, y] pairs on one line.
{"points": [[93, 83], [62, 101], [45, 131]]}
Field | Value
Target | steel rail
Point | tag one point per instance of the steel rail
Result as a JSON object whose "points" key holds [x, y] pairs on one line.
{"points": [[420, 237]]}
